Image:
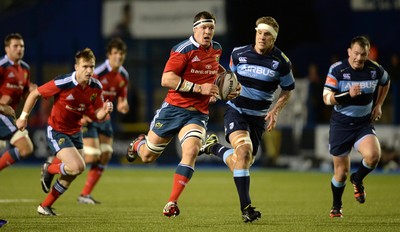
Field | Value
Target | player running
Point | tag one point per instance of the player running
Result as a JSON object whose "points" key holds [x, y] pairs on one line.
{"points": [[189, 74], [357, 87], [14, 85], [260, 69], [74, 95], [98, 135]]}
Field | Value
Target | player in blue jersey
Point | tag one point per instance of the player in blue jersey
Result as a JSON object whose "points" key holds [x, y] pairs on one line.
{"points": [[261, 68], [357, 87]]}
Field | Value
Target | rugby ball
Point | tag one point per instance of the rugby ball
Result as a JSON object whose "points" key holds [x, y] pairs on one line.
{"points": [[226, 82]]}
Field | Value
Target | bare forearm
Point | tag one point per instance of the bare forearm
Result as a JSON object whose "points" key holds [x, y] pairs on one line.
{"points": [[283, 99], [30, 103]]}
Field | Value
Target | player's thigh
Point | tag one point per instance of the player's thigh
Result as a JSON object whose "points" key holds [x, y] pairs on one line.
{"points": [[91, 142], [105, 139], [369, 147]]}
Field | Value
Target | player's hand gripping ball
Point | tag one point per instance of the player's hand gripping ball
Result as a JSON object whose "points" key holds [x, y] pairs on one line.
{"points": [[227, 82]]}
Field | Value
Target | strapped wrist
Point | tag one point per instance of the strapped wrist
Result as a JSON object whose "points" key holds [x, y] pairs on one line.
{"points": [[343, 97], [24, 116], [187, 86]]}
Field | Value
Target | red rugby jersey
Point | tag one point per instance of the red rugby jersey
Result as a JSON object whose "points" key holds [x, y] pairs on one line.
{"points": [[71, 101], [193, 63], [14, 79], [115, 83]]}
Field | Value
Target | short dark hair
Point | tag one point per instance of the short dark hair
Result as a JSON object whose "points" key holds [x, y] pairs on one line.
{"points": [[86, 54], [362, 41], [118, 44], [11, 36], [204, 15]]}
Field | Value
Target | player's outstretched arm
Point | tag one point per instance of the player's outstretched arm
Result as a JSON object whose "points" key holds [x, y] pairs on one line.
{"points": [[30, 102]]}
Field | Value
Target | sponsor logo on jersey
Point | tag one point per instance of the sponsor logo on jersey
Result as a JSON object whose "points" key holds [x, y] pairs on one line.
{"points": [[253, 70], [109, 93], [104, 81], [363, 85], [331, 81], [81, 107], [242, 59], [206, 72], [11, 75], [70, 97], [346, 76], [208, 66], [11, 86], [195, 59]]}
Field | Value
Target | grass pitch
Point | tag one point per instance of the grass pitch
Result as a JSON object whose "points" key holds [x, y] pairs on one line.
{"points": [[133, 198]]}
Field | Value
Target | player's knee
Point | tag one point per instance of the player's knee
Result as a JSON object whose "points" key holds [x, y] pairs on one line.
{"points": [[193, 133], [373, 160], [21, 140], [244, 153], [243, 148], [75, 169], [153, 150]]}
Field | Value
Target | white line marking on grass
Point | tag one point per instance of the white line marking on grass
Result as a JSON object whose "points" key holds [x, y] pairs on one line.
{"points": [[17, 200]]}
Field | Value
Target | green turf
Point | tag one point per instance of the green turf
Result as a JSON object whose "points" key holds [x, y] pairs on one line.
{"points": [[132, 200]]}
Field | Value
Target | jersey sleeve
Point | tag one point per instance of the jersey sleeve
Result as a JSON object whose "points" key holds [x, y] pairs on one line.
{"points": [[123, 92], [48, 89], [176, 63], [98, 102], [384, 80], [331, 81]]}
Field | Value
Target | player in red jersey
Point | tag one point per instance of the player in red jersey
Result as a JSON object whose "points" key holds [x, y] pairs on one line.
{"points": [[14, 85], [189, 74], [98, 136], [74, 94]]}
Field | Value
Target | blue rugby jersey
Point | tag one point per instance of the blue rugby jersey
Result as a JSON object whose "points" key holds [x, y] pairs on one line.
{"points": [[341, 77], [260, 76]]}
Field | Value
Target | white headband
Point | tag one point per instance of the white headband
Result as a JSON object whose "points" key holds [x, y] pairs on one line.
{"points": [[203, 21], [263, 26]]}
